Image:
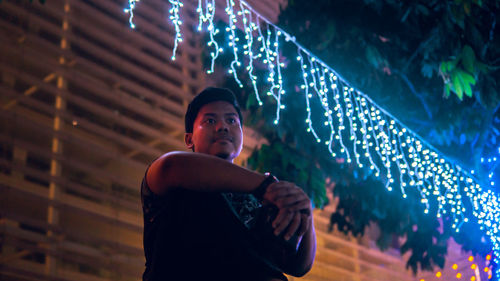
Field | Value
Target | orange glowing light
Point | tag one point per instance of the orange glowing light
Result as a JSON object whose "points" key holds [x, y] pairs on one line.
{"points": [[486, 269], [473, 266], [459, 275], [488, 257], [438, 274], [471, 258], [454, 266], [473, 278], [422, 279]]}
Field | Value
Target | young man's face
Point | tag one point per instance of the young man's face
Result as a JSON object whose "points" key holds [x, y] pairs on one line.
{"points": [[216, 131]]}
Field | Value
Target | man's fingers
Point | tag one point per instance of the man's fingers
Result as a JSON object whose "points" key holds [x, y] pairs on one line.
{"points": [[274, 194], [304, 226], [288, 201], [293, 204], [301, 205], [282, 221], [283, 186], [294, 225], [282, 215], [284, 194]]}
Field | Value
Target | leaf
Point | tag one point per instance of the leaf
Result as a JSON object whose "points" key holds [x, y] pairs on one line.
{"points": [[466, 80], [373, 56], [468, 90], [457, 86], [442, 67], [448, 66], [447, 90], [468, 58]]}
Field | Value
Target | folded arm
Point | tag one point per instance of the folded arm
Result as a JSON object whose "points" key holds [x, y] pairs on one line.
{"points": [[200, 172]]}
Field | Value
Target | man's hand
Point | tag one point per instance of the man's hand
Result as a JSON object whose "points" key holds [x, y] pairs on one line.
{"points": [[294, 207]]}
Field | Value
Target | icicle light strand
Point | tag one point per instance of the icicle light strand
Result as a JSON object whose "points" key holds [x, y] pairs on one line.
{"points": [[175, 18], [130, 10]]}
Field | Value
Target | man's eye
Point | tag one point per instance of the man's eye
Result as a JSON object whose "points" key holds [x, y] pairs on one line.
{"points": [[210, 121], [231, 120]]}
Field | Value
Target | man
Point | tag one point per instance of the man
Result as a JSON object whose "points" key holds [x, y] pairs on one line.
{"points": [[200, 210]]}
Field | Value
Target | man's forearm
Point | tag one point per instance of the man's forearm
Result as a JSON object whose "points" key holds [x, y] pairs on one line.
{"points": [[197, 171]]}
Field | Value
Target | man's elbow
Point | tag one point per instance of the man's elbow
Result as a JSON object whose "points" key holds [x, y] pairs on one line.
{"points": [[161, 169], [299, 271]]}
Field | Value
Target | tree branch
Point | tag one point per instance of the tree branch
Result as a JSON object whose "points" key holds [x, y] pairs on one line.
{"points": [[419, 48], [491, 33], [414, 92]]}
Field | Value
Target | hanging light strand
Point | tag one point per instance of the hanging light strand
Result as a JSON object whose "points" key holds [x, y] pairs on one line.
{"points": [[175, 18], [130, 11]]}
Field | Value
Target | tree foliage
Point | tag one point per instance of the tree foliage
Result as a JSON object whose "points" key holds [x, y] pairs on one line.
{"points": [[433, 64]]}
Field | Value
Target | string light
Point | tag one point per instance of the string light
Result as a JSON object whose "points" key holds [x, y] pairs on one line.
{"points": [[475, 269], [208, 16], [489, 165], [249, 26], [367, 135], [175, 18], [130, 10]]}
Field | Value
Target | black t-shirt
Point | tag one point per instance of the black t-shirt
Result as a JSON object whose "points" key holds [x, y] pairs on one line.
{"points": [[190, 235]]}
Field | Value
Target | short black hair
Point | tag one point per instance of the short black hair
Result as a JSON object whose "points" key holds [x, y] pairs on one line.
{"points": [[210, 94]]}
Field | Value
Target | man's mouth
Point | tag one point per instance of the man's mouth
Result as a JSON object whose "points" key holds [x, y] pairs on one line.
{"points": [[223, 139]]}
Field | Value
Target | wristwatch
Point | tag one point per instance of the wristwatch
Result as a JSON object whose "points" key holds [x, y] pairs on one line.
{"points": [[261, 189]]}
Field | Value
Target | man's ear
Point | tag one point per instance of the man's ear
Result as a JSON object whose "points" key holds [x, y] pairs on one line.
{"points": [[188, 139]]}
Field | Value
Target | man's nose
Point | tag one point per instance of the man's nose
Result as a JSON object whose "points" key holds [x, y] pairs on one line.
{"points": [[222, 126]]}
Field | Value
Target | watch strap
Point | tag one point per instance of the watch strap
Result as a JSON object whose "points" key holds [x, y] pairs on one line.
{"points": [[262, 188]]}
